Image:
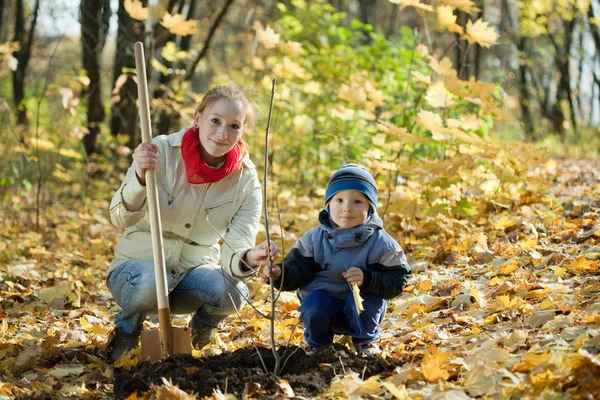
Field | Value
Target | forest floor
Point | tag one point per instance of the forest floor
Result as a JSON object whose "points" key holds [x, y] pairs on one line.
{"points": [[505, 304]]}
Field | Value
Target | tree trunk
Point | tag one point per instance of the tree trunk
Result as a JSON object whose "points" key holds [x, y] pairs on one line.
{"points": [[93, 34], [367, 15], [525, 98], [562, 60], [124, 115], [393, 21], [478, 53], [461, 61], [22, 56], [1, 19]]}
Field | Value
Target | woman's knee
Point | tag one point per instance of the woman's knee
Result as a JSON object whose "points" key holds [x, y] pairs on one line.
{"points": [[133, 286], [234, 296]]}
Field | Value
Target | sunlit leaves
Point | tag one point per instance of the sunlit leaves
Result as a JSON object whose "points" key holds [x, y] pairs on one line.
{"points": [[266, 36], [467, 6], [438, 97], [178, 25], [294, 49], [413, 3], [481, 33], [435, 365], [136, 10], [447, 19], [170, 53]]}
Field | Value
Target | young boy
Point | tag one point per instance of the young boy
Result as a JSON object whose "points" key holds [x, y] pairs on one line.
{"points": [[349, 247]]}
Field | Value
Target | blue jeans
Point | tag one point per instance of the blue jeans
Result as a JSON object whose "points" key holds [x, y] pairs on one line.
{"points": [[324, 315], [204, 291]]}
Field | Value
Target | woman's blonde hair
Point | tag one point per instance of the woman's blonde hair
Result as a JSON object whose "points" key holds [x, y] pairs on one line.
{"points": [[233, 94]]}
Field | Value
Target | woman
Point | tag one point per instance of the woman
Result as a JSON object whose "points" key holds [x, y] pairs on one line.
{"points": [[208, 190]]}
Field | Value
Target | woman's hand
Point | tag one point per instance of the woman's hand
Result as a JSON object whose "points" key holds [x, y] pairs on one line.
{"points": [[146, 157], [354, 275], [258, 255]]}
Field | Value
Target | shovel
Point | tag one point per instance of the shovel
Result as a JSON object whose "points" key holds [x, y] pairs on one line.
{"points": [[166, 340]]}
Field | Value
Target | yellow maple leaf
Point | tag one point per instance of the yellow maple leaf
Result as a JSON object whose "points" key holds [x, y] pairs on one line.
{"points": [[447, 19], [467, 6], [509, 267], [481, 33], [412, 3], [528, 244], [422, 78], [547, 304], [443, 67], [435, 365], [399, 392], [358, 301], [429, 120], [504, 223], [353, 94], [136, 10], [531, 361], [267, 36], [424, 285], [294, 49], [470, 122], [438, 96], [560, 272], [581, 265], [178, 25]]}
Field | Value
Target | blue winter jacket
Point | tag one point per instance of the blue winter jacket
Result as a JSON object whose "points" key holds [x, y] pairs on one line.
{"points": [[322, 254]]}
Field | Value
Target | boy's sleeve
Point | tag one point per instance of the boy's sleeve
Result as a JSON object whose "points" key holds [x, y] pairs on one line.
{"points": [[299, 266], [389, 275]]}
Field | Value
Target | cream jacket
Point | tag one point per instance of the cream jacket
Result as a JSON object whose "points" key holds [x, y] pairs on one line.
{"points": [[232, 205]]}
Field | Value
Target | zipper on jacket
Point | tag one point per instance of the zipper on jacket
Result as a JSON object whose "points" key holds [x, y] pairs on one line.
{"points": [[170, 198]]}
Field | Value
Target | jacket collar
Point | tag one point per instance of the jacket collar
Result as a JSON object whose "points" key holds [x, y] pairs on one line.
{"points": [[174, 140], [353, 237]]}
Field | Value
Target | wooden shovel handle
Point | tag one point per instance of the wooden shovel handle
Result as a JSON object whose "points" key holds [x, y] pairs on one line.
{"points": [[158, 254]]}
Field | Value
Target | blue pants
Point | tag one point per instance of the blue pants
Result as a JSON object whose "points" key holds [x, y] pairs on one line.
{"points": [[203, 291], [324, 315]]}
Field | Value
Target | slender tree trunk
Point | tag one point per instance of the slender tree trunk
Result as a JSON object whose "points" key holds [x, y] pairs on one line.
{"points": [[367, 15], [393, 20], [524, 91], [478, 53], [93, 34], [1, 19], [22, 56], [460, 58], [124, 115]]}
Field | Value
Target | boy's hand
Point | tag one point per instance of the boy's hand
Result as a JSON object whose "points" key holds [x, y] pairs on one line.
{"points": [[354, 275], [275, 272]]}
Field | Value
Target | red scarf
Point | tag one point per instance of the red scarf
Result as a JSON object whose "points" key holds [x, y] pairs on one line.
{"points": [[197, 170]]}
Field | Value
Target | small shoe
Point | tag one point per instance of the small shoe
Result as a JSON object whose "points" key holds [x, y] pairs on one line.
{"points": [[201, 338], [310, 350], [119, 343], [367, 348]]}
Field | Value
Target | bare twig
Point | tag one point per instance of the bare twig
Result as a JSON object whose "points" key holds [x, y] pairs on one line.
{"points": [[190, 72], [229, 278], [282, 251], [249, 334], [266, 216]]}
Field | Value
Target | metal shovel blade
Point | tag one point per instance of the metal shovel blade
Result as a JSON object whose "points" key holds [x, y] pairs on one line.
{"points": [[151, 349]]}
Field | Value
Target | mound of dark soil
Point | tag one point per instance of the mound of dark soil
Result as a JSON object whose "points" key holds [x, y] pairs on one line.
{"points": [[230, 372]]}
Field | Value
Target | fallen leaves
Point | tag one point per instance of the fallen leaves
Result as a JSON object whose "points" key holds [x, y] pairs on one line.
{"points": [[503, 305]]}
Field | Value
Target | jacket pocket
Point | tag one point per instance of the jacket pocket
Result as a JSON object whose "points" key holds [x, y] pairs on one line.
{"points": [[218, 214]]}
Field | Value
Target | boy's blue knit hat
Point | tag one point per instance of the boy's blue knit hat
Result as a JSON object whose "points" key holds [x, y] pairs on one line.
{"points": [[352, 177]]}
